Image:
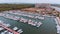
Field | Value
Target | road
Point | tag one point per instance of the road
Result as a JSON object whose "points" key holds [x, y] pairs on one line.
{"points": [[57, 8]]}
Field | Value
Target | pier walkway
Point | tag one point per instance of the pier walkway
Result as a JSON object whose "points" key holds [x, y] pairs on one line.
{"points": [[14, 32]]}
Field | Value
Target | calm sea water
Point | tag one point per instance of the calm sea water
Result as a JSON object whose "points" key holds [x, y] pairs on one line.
{"points": [[48, 26]]}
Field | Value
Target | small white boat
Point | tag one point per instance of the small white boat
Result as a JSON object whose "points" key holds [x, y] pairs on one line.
{"points": [[29, 21], [39, 24], [8, 25], [10, 33], [15, 28], [21, 19], [30, 16], [58, 29], [1, 28], [20, 31], [25, 20], [34, 23], [40, 17], [6, 31]]}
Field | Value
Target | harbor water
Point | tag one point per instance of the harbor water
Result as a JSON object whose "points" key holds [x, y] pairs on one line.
{"points": [[48, 25]]}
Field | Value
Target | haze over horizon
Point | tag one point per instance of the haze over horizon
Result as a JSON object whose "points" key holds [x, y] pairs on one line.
{"points": [[31, 1]]}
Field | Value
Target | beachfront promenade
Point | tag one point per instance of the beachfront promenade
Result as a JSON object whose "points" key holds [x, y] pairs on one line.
{"points": [[14, 32]]}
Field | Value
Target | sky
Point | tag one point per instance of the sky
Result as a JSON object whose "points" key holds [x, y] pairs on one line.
{"points": [[31, 1]]}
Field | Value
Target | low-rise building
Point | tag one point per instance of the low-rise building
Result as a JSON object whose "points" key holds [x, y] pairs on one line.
{"points": [[42, 5]]}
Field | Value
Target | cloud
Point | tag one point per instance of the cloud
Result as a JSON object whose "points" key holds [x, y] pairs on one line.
{"points": [[30, 1], [49, 1]]}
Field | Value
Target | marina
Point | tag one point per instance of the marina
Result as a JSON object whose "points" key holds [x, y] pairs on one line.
{"points": [[23, 19], [26, 14], [30, 25], [29, 16], [8, 30]]}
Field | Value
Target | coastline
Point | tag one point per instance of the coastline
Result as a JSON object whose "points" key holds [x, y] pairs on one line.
{"points": [[58, 20], [55, 26], [58, 24]]}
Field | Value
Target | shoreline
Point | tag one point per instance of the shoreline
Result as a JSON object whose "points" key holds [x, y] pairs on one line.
{"points": [[58, 20]]}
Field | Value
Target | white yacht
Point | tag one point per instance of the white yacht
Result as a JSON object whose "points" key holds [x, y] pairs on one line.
{"points": [[8, 25], [6, 31], [40, 17], [30, 16], [25, 20], [20, 31], [1, 28], [58, 29], [39, 24], [34, 23], [29, 21], [15, 28], [10, 33], [21, 19]]}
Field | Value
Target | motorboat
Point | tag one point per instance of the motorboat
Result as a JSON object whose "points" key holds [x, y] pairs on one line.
{"points": [[31, 16], [23, 20], [58, 29], [34, 23], [1, 28], [15, 28], [20, 31], [29, 21], [7, 32], [40, 17], [8, 25], [10, 33], [39, 24]]}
